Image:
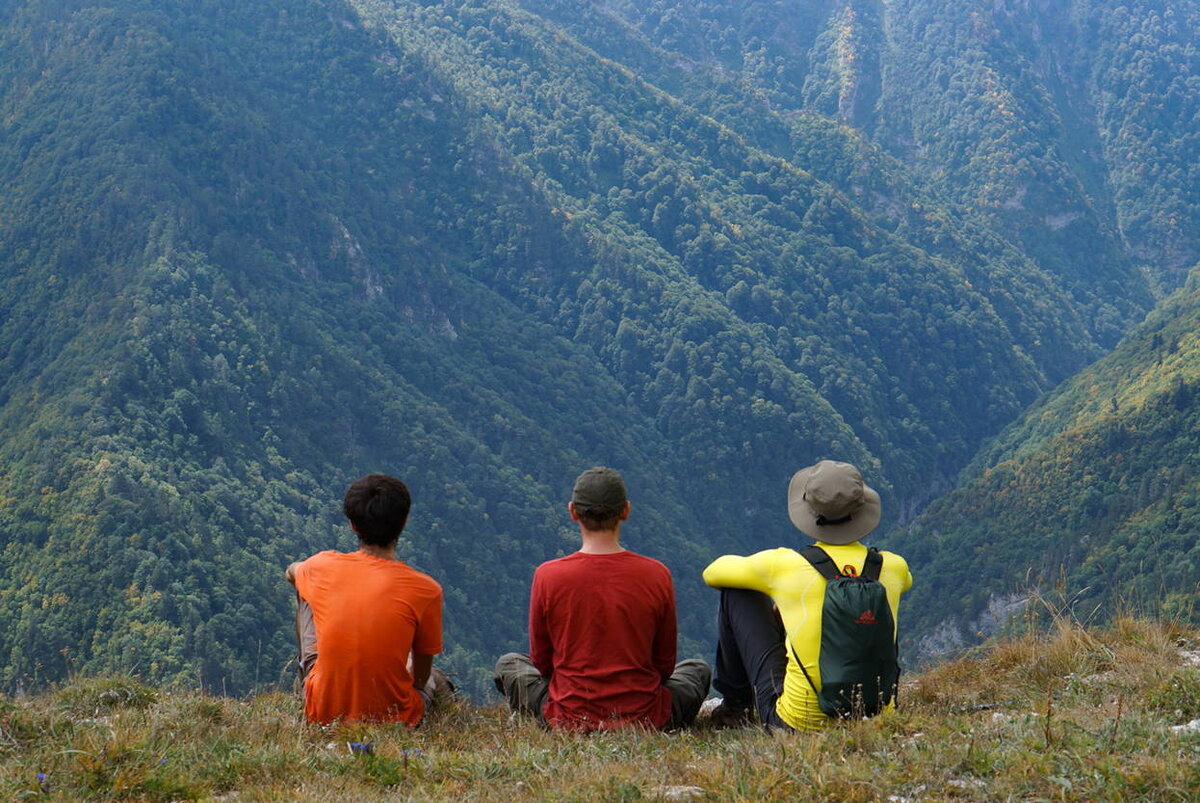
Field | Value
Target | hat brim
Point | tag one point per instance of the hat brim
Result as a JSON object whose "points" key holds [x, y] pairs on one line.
{"points": [[865, 519]]}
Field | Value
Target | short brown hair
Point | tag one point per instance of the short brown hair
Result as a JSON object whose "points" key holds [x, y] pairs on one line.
{"points": [[599, 517], [377, 506]]}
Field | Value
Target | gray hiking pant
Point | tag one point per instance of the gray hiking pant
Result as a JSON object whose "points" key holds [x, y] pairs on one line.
{"points": [[526, 690]]}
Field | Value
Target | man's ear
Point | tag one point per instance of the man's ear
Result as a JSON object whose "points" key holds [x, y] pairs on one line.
{"points": [[571, 510], [625, 512]]}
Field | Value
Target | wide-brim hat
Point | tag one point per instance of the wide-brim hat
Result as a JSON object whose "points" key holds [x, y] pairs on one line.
{"points": [[830, 502]]}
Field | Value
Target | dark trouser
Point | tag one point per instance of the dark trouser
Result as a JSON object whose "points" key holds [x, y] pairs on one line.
{"points": [[526, 690], [751, 657], [306, 638]]}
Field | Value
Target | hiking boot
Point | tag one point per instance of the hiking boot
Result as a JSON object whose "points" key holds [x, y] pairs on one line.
{"points": [[723, 714], [443, 686]]}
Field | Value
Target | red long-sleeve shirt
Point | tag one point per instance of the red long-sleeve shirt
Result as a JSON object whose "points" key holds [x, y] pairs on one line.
{"points": [[602, 629]]}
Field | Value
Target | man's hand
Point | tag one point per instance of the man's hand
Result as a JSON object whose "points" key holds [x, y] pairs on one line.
{"points": [[290, 572]]}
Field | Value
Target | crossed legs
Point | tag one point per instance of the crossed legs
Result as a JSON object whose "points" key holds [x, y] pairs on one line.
{"points": [[526, 690], [751, 657]]}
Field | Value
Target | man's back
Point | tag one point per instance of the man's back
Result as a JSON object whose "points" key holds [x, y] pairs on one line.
{"points": [[798, 591], [602, 628], [369, 613]]}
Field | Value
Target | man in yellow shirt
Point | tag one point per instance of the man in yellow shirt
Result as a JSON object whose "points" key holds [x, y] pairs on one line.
{"points": [[769, 623]]}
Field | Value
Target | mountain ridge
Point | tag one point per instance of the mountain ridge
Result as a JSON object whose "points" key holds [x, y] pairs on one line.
{"points": [[247, 254]]}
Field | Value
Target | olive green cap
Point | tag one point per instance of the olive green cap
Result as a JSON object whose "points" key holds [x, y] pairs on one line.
{"points": [[599, 487]]}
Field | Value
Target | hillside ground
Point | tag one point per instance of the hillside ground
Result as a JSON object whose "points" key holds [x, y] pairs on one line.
{"points": [[1068, 713]]}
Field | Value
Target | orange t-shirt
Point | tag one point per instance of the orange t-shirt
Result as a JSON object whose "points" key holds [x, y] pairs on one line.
{"points": [[369, 613]]}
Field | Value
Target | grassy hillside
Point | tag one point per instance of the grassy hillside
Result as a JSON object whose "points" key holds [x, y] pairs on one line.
{"points": [[1073, 713]]}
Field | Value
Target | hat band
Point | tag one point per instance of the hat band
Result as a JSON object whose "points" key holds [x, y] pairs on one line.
{"points": [[821, 521]]}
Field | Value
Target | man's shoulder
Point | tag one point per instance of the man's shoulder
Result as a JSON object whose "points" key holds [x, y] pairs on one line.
{"points": [[555, 564], [356, 563], [325, 554], [422, 579], [413, 580], [584, 563], [893, 558], [895, 572], [650, 564], [780, 556], [319, 559], [567, 564]]}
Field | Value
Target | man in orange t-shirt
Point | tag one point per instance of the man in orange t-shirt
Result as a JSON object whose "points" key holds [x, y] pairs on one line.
{"points": [[368, 624]]}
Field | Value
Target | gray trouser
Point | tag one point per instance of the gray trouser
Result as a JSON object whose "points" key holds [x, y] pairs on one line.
{"points": [[526, 690], [306, 638]]}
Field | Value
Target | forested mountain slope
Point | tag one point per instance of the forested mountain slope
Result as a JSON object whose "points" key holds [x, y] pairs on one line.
{"points": [[1092, 499], [1070, 126], [251, 251]]}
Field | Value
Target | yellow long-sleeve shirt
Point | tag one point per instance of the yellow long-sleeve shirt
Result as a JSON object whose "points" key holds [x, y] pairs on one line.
{"points": [[799, 594]]}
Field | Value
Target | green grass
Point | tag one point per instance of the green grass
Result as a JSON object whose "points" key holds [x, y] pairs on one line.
{"points": [[1071, 714]]}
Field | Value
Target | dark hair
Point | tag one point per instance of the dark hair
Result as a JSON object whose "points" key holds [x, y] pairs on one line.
{"points": [[377, 506], [599, 517]]}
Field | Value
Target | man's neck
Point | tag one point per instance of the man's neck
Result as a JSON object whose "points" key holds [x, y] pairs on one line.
{"points": [[382, 552], [600, 542]]}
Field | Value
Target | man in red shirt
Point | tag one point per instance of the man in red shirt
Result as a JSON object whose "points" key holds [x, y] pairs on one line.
{"points": [[368, 624], [602, 630]]}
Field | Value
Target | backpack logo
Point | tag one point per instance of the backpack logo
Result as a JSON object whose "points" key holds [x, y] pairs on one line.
{"points": [[867, 617]]}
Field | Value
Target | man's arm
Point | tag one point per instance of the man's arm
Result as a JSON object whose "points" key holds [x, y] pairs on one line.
{"points": [[290, 572], [427, 641], [735, 571], [421, 667], [908, 578], [541, 649], [666, 639]]}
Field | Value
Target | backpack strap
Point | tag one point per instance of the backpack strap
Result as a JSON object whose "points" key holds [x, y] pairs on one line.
{"points": [[873, 564], [821, 561], [825, 567], [808, 677]]}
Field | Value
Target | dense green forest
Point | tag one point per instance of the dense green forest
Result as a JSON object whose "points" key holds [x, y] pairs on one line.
{"points": [[249, 252]]}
